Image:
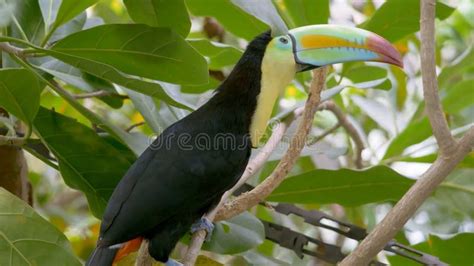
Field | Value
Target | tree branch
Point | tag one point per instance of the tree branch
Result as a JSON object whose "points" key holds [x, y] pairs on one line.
{"points": [[315, 139], [450, 154], [433, 110], [4, 46], [12, 141], [128, 129]]}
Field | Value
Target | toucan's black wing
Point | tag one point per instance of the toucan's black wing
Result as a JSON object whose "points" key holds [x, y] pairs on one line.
{"points": [[167, 179]]}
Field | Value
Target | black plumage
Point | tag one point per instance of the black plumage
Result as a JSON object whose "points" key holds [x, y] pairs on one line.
{"points": [[188, 167]]}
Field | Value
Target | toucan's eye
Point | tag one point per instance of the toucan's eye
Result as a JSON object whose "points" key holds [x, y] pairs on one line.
{"points": [[284, 40]]}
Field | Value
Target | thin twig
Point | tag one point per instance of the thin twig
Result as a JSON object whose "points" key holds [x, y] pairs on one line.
{"points": [[315, 139], [350, 129], [100, 93], [128, 129], [450, 154]]}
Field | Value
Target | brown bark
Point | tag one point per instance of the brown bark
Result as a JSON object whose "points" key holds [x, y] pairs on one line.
{"points": [[14, 172]]}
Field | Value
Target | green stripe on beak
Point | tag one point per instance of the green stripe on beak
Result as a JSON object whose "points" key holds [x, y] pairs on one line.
{"points": [[320, 45]]}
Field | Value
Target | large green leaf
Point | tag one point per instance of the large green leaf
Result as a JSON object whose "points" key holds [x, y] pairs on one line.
{"points": [[87, 162], [456, 250], [134, 49], [81, 80], [19, 93], [69, 9], [234, 19], [30, 21], [28, 239], [219, 55], [344, 186], [305, 12], [459, 96], [398, 18], [158, 13], [366, 73]]}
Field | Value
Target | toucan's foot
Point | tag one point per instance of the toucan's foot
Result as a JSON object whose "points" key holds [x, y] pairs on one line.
{"points": [[172, 262], [203, 224]]}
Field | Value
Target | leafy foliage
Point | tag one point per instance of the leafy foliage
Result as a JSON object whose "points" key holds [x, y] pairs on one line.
{"points": [[155, 61], [29, 239], [83, 157], [344, 186]]}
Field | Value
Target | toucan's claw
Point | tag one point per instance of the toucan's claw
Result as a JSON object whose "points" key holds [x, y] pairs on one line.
{"points": [[172, 262], [203, 224]]}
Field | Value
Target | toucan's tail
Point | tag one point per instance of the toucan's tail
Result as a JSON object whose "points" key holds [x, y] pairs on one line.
{"points": [[107, 256], [102, 256]]}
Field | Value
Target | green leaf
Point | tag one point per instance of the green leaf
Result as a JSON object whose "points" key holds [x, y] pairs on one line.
{"points": [[457, 192], [81, 80], [218, 54], [72, 26], [415, 132], [455, 71], [49, 10], [455, 99], [236, 235], [234, 19], [28, 239], [368, 73], [213, 84], [87, 162], [456, 250], [134, 49], [365, 73], [69, 9], [346, 187], [6, 9], [458, 97], [306, 12], [158, 13], [30, 22], [398, 18], [148, 109], [19, 93]]}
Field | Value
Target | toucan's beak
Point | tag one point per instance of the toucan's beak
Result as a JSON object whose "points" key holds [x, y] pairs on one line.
{"points": [[320, 45]]}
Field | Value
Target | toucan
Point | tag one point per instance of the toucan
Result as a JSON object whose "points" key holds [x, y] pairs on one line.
{"points": [[186, 170]]}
